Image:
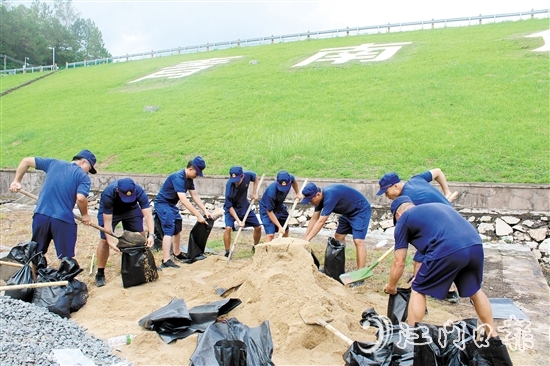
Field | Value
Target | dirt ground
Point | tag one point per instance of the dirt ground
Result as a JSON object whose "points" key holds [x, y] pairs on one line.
{"points": [[277, 282]]}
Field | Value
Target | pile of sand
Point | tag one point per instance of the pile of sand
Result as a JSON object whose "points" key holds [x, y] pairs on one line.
{"points": [[279, 282]]}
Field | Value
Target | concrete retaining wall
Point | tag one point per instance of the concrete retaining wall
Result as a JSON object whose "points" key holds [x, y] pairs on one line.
{"points": [[488, 196]]}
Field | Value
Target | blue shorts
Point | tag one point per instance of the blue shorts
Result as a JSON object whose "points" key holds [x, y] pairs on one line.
{"points": [[251, 219], [133, 224], [463, 267], [46, 228], [357, 225], [170, 219], [270, 227]]}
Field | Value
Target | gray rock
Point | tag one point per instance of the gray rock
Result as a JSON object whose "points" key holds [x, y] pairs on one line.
{"points": [[485, 228], [519, 228], [331, 226], [528, 223], [511, 220], [471, 219], [502, 228], [386, 224], [545, 246], [485, 219], [389, 231], [521, 236], [532, 244], [538, 234], [484, 238]]}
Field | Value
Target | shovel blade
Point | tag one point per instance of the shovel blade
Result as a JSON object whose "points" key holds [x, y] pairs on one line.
{"points": [[355, 276]]}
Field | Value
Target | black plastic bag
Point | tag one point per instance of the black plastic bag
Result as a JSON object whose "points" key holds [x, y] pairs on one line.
{"points": [[174, 321], [138, 266], [23, 276], [22, 252], [158, 232], [258, 342], [197, 241], [494, 355], [444, 345], [335, 259], [230, 352], [398, 305], [61, 300]]}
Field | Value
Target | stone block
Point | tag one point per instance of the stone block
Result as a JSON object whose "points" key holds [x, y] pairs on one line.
{"points": [[538, 234], [386, 224], [502, 228], [511, 220], [486, 228]]}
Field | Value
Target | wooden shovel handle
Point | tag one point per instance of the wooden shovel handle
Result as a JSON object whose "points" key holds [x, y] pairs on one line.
{"points": [[11, 264], [335, 331], [244, 219], [292, 210], [34, 285], [95, 226]]}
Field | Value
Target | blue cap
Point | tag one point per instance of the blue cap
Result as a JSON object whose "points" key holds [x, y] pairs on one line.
{"points": [[199, 165], [126, 190], [398, 202], [309, 191], [235, 174], [87, 154], [388, 180], [284, 181]]}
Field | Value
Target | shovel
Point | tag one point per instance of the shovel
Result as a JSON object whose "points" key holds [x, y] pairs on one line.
{"points": [[126, 240], [363, 273], [33, 285], [309, 316], [244, 219]]}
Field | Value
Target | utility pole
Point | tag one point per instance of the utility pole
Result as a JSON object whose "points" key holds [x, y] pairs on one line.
{"points": [[53, 58]]}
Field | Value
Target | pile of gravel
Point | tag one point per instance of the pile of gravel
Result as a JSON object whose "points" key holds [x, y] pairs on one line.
{"points": [[29, 333]]}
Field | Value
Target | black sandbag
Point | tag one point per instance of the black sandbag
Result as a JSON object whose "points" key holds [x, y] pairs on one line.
{"points": [[61, 300], [398, 305], [158, 232], [445, 345], [174, 321], [197, 240], [258, 341], [138, 266], [23, 276], [494, 355], [335, 259], [22, 252], [230, 352]]}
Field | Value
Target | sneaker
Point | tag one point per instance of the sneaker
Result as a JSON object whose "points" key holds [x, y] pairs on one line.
{"points": [[181, 256], [452, 297], [99, 281], [227, 253], [168, 264]]}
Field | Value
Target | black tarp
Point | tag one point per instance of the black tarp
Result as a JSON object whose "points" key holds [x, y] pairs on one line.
{"points": [[219, 345], [174, 321], [138, 266]]}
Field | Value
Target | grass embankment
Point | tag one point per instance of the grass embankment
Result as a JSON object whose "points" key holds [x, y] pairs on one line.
{"points": [[471, 100]]}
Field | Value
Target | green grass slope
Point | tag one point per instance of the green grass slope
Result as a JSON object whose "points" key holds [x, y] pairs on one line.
{"points": [[471, 100]]}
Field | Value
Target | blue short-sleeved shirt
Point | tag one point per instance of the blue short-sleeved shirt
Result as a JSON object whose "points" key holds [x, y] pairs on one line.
{"points": [[175, 183], [341, 199], [273, 199], [64, 180], [421, 191], [236, 196], [111, 204], [435, 230]]}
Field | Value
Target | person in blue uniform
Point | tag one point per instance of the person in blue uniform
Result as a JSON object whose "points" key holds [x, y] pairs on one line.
{"points": [[353, 207], [126, 202], [273, 211], [420, 191], [236, 204], [66, 183], [452, 251], [175, 189]]}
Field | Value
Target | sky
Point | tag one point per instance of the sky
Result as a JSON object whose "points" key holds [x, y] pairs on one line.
{"points": [[140, 26]]}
